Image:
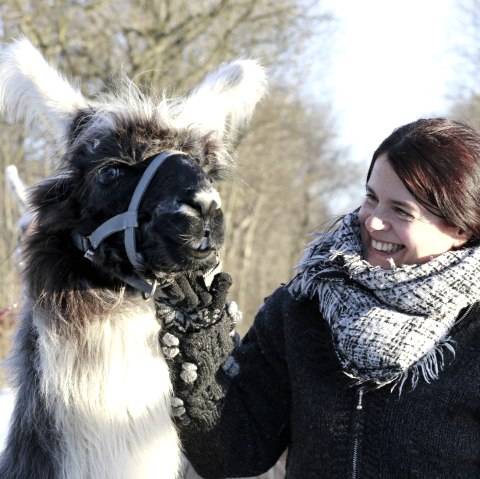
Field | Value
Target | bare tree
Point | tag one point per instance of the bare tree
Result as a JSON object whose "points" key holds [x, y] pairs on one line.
{"points": [[466, 91], [164, 41], [281, 195]]}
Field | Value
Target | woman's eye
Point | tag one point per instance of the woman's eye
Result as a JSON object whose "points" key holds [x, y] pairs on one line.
{"points": [[404, 214], [108, 174]]}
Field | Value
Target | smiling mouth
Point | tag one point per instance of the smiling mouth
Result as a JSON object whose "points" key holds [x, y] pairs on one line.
{"points": [[386, 247]]}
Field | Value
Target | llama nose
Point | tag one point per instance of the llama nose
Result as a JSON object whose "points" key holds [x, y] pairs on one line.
{"points": [[207, 201]]}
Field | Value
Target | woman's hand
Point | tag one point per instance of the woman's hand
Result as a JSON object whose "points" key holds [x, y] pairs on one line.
{"points": [[190, 304], [197, 336]]}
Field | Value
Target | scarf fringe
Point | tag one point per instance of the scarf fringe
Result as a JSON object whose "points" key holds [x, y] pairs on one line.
{"points": [[428, 367]]}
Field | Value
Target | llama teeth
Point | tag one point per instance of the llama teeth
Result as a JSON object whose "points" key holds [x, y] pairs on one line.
{"points": [[201, 245]]}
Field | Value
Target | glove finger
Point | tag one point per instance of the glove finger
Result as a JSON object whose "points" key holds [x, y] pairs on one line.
{"points": [[201, 290], [219, 289], [188, 286], [172, 293]]}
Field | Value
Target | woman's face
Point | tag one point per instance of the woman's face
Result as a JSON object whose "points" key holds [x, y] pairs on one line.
{"points": [[395, 225]]}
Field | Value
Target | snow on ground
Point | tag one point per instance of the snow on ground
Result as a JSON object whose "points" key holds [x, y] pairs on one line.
{"points": [[6, 408]]}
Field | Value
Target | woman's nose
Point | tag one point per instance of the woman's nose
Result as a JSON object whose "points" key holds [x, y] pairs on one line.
{"points": [[376, 222]]}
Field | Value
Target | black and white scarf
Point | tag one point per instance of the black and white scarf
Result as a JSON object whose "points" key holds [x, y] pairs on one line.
{"points": [[387, 324]]}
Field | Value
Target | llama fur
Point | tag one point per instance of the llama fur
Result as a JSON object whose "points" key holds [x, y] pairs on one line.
{"points": [[92, 386]]}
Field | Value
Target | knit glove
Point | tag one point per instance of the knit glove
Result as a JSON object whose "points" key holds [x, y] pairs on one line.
{"points": [[187, 304], [197, 339]]}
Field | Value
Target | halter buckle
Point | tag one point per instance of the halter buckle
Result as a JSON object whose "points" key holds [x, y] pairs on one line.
{"points": [[89, 254]]}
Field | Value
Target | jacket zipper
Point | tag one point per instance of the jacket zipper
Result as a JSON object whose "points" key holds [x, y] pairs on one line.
{"points": [[465, 314], [356, 431]]}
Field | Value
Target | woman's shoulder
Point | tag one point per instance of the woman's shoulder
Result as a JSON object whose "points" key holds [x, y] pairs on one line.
{"points": [[287, 324], [285, 310], [284, 302]]}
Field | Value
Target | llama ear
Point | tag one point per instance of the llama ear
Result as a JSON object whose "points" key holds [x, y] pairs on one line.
{"points": [[32, 90], [226, 98]]}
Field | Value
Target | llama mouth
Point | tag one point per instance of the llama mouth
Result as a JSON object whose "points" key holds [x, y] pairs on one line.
{"points": [[200, 252], [202, 245]]}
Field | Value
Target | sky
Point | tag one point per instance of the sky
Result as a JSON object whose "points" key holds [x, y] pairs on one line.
{"points": [[393, 61]]}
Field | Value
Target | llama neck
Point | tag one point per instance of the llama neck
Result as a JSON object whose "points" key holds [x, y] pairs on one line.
{"points": [[57, 276], [109, 391]]}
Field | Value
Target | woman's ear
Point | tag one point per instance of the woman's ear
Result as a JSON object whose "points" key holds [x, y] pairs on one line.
{"points": [[461, 237]]}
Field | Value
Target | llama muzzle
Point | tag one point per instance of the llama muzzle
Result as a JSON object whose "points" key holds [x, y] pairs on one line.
{"points": [[128, 223]]}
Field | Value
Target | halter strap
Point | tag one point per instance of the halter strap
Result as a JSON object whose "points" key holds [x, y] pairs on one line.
{"points": [[127, 222]]}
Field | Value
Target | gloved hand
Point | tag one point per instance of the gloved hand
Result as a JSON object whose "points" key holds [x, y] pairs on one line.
{"points": [[189, 292], [190, 304], [198, 334]]}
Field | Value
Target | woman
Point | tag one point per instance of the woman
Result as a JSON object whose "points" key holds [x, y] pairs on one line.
{"points": [[367, 364]]}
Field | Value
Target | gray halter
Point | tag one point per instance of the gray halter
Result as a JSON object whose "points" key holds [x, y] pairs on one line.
{"points": [[128, 222]]}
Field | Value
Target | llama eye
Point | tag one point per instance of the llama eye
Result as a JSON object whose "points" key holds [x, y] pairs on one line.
{"points": [[108, 174]]}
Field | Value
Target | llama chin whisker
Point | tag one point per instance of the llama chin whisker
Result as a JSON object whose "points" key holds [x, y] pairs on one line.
{"points": [[187, 240]]}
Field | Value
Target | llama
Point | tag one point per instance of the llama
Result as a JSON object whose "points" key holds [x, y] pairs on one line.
{"points": [[130, 206]]}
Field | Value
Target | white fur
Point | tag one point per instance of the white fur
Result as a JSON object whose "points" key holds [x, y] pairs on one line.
{"points": [[207, 199], [16, 185], [19, 193], [224, 101], [30, 88], [226, 97], [110, 394]]}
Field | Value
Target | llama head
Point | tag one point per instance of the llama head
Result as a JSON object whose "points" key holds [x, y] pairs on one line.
{"points": [[111, 144]]}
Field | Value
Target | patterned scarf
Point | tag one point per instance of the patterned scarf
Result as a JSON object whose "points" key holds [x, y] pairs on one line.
{"points": [[387, 324]]}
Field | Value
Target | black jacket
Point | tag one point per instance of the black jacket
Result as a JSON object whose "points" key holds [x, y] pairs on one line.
{"points": [[289, 391]]}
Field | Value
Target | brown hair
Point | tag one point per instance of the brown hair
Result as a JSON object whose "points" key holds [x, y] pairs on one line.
{"points": [[438, 161]]}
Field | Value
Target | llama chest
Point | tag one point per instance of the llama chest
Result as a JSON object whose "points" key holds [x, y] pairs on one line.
{"points": [[109, 394]]}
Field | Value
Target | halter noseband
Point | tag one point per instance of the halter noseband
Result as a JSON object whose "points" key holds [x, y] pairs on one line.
{"points": [[128, 222]]}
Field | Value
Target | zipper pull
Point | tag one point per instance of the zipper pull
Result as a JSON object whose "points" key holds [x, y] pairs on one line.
{"points": [[360, 398]]}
